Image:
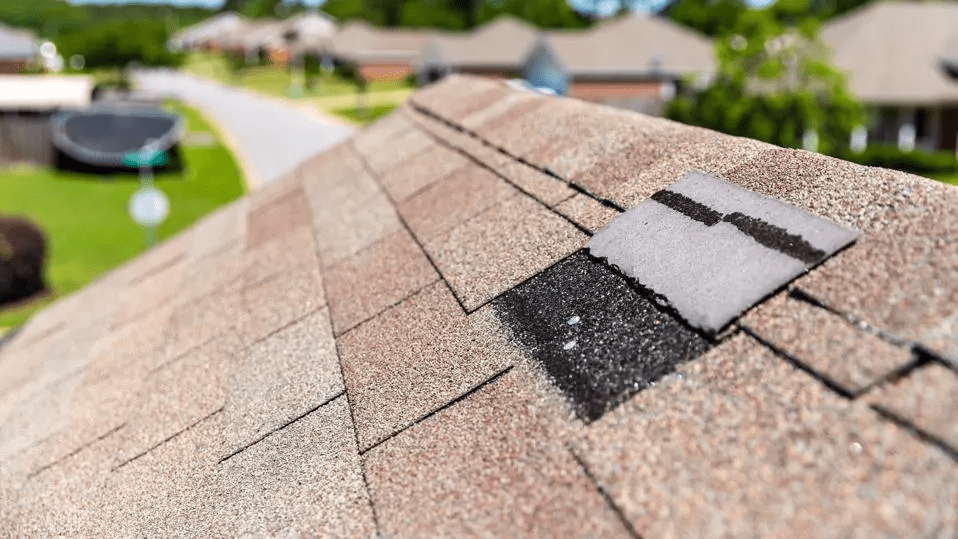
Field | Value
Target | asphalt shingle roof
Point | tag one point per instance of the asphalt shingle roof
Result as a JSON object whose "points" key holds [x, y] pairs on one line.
{"points": [[380, 344]]}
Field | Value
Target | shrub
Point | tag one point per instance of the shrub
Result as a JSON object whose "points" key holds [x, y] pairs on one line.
{"points": [[22, 254], [915, 161]]}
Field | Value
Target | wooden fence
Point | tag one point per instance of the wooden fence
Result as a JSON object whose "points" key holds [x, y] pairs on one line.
{"points": [[26, 138]]}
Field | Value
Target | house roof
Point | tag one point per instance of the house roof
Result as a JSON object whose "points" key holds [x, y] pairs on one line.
{"points": [[503, 43], [358, 40], [44, 92], [412, 335], [893, 51], [211, 28], [634, 44], [17, 43]]}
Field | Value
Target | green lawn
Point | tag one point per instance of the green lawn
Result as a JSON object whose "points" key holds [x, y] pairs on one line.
{"points": [[950, 177], [366, 116], [85, 217], [276, 80]]}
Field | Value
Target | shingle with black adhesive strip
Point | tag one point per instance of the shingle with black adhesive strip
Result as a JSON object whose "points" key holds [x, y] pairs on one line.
{"points": [[711, 250], [599, 340]]}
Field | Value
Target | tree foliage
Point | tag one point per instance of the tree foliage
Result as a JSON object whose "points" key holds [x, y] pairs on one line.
{"points": [[118, 43], [455, 14], [774, 82]]}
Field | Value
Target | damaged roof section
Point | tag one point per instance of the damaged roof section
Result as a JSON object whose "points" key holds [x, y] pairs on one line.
{"points": [[408, 337], [712, 250]]}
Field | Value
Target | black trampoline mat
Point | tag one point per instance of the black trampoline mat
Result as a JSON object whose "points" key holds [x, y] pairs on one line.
{"points": [[116, 133]]}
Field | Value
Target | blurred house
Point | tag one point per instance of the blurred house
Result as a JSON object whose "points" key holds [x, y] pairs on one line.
{"points": [[18, 49], [901, 59], [636, 62], [279, 41], [498, 49], [27, 103], [207, 34], [379, 54]]}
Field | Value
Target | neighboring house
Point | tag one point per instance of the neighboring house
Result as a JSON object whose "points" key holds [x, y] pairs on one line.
{"points": [[635, 62], [497, 49], [281, 40], [206, 34], [27, 103], [18, 49], [897, 57], [379, 53], [421, 333]]}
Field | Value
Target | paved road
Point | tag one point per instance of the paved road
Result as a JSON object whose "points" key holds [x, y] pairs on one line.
{"points": [[271, 136]]}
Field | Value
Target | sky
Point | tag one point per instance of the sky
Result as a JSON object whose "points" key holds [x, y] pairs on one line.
{"points": [[605, 6]]}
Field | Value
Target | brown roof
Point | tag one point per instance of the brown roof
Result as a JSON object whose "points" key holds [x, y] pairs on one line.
{"points": [[893, 51], [633, 44], [358, 40], [503, 43], [339, 353]]}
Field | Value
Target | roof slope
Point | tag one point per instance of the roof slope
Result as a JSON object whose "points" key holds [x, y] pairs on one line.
{"points": [[17, 43], [503, 43], [401, 338], [633, 44], [358, 40], [893, 51]]}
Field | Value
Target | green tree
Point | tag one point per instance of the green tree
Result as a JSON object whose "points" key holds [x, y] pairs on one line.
{"points": [[117, 43], [774, 83], [710, 17], [542, 13]]}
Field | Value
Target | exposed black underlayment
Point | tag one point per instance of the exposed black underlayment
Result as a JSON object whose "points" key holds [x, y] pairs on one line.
{"points": [[764, 233], [597, 338]]}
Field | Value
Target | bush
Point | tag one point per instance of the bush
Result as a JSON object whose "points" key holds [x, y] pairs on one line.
{"points": [[915, 161], [22, 254]]}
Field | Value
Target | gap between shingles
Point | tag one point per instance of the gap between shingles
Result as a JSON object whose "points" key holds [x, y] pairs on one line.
{"points": [[75, 451], [488, 381], [283, 426], [402, 220], [922, 435], [604, 201], [604, 493], [169, 438]]}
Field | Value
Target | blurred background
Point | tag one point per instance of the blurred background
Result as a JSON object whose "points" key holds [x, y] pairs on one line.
{"points": [[867, 81]]}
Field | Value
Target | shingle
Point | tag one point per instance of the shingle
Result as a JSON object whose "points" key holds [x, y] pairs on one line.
{"points": [[278, 301], [407, 145], [428, 167], [452, 200], [222, 227], [502, 247], [415, 358], [548, 190], [313, 487], [712, 249], [279, 379], [151, 290], [197, 322], [902, 279], [455, 96], [630, 175], [278, 217], [37, 415], [926, 398], [513, 104], [176, 396], [485, 466], [587, 212], [365, 284], [380, 133], [350, 213], [826, 343], [743, 444]]}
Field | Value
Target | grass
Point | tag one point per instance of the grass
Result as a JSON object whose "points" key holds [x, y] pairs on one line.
{"points": [[328, 92], [85, 217], [367, 115], [948, 177]]}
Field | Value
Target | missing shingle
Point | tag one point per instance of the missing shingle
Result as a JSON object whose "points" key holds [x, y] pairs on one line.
{"points": [[599, 340]]}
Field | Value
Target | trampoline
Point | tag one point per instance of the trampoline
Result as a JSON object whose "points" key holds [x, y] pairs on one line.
{"points": [[102, 136]]}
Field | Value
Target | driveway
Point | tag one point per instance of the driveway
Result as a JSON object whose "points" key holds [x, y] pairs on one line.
{"points": [[270, 136]]}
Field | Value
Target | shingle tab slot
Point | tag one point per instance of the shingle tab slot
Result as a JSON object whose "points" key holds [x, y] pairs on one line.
{"points": [[712, 249]]}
